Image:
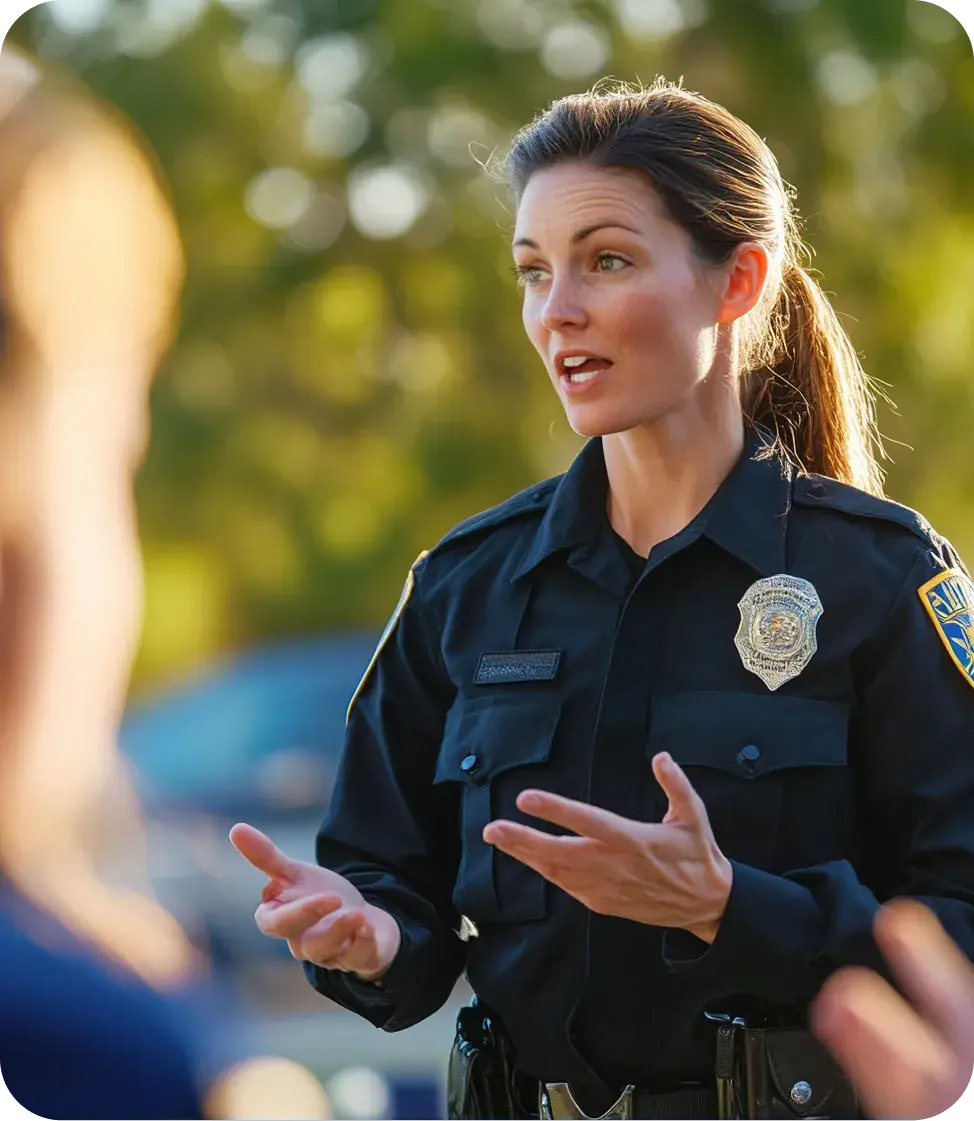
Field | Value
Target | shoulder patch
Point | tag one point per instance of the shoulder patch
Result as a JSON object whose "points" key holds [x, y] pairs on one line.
{"points": [[819, 490], [949, 600], [534, 499], [390, 628]]}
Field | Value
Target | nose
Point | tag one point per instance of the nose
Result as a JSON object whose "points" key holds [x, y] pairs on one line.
{"points": [[563, 308]]}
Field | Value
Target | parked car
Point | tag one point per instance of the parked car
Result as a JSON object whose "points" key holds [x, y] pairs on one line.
{"points": [[257, 738]]}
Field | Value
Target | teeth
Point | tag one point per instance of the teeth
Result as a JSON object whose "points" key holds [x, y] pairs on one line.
{"points": [[576, 360], [577, 379]]}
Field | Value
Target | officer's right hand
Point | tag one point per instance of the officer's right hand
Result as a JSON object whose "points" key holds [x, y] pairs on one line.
{"points": [[323, 916]]}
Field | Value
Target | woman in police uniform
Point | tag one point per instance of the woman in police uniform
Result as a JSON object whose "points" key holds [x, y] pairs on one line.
{"points": [[655, 738]]}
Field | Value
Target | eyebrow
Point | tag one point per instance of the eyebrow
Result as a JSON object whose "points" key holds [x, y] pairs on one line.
{"points": [[579, 235]]}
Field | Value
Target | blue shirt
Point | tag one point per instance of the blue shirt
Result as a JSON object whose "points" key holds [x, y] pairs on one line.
{"points": [[849, 783], [81, 1037]]}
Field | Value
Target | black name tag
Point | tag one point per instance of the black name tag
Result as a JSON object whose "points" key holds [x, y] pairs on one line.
{"points": [[517, 666]]}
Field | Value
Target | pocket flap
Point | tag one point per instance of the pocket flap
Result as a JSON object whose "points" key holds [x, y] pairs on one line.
{"points": [[748, 734], [486, 736]]}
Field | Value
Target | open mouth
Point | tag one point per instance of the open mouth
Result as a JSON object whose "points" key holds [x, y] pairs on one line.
{"points": [[579, 367]]}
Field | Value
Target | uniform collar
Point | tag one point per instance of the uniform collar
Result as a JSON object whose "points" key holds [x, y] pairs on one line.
{"points": [[747, 515], [576, 512]]}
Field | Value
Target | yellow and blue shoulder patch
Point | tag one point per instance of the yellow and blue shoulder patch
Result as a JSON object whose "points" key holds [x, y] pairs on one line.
{"points": [[949, 600], [404, 598]]}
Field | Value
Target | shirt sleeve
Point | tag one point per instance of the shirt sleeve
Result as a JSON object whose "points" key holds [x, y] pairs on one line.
{"points": [[913, 751], [390, 830]]}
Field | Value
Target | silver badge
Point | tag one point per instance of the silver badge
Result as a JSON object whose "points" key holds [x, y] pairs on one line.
{"points": [[776, 638]]}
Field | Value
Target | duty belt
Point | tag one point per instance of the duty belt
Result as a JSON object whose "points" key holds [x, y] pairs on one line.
{"points": [[557, 1102]]}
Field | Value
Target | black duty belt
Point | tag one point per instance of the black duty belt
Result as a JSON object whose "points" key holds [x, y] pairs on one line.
{"points": [[696, 1103], [760, 1073]]}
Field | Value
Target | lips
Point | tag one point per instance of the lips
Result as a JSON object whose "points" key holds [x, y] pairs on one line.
{"points": [[580, 365]]}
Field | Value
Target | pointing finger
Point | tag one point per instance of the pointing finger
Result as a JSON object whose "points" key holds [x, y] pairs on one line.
{"points": [[260, 851]]}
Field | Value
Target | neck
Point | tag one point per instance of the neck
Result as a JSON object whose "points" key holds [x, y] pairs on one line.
{"points": [[661, 475]]}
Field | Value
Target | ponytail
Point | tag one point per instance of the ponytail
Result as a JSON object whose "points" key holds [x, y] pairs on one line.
{"points": [[812, 393]]}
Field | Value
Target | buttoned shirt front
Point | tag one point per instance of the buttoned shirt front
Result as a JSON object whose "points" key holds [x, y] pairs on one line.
{"points": [[530, 654]]}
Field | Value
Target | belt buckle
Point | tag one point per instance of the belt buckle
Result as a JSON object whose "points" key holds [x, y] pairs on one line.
{"points": [[557, 1103]]}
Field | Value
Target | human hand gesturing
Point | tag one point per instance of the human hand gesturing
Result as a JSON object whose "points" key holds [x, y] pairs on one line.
{"points": [[669, 873], [909, 1055], [322, 916]]}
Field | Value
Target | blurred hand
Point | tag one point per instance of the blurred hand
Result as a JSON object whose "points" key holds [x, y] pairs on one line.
{"points": [[322, 916], [906, 1061]]}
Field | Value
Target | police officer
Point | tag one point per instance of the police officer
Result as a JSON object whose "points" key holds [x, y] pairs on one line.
{"points": [[647, 744]]}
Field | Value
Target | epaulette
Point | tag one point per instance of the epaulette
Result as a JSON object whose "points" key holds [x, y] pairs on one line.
{"points": [[819, 490], [527, 501]]}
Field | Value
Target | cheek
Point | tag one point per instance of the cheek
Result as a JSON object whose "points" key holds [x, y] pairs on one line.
{"points": [[531, 318], [664, 319]]}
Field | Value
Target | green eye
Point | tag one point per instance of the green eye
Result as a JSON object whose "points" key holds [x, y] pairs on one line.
{"points": [[609, 262], [528, 275]]}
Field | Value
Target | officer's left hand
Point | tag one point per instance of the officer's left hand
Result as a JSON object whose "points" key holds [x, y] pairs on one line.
{"points": [[668, 874]]}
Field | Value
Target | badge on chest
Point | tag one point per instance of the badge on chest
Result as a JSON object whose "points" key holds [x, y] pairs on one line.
{"points": [[776, 638]]}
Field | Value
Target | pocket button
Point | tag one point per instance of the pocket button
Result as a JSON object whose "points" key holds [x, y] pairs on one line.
{"points": [[469, 764], [747, 757]]}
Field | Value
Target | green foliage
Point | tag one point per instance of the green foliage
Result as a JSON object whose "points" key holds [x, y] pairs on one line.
{"points": [[338, 398]]}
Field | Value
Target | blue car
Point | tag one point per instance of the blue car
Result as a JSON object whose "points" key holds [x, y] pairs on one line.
{"points": [[258, 738]]}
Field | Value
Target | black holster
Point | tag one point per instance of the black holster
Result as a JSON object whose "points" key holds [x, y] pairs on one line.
{"points": [[779, 1073], [481, 1079]]}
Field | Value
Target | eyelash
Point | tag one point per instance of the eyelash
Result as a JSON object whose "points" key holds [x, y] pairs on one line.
{"points": [[521, 271]]}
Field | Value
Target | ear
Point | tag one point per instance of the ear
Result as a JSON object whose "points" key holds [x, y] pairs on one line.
{"points": [[745, 277]]}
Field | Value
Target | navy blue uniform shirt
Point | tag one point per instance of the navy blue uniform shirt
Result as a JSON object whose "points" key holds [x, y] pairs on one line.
{"points": [[851, 783]]}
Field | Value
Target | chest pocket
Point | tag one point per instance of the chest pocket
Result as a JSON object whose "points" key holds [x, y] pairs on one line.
{"points": [[495, 747], [770, 770]]}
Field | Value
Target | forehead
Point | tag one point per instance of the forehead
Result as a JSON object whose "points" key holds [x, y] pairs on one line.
{"points": [[560, 199]]}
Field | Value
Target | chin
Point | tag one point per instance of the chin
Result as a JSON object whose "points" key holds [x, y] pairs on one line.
{"points": [[595, 420]]}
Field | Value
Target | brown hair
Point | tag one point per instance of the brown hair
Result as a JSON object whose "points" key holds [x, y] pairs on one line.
{"points": [[800, 375]]}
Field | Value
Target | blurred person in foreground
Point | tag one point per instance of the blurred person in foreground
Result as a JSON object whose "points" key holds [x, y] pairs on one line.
{"points": [[104, 1005], [644, 748], [908, 1058]]}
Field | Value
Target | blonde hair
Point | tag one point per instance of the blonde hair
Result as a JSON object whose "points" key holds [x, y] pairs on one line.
{"points": [[800, 375]]}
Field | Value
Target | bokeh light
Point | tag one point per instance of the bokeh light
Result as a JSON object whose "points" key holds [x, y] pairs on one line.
{"points": [[330, 67], [575, 49], [358, 1093], [266, 1087], [335, 129], [846, 78], [279, 197], [385, 201], [78, 17]]}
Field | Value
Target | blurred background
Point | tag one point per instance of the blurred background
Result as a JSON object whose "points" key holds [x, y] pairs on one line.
{"points": [[351, 377]]}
